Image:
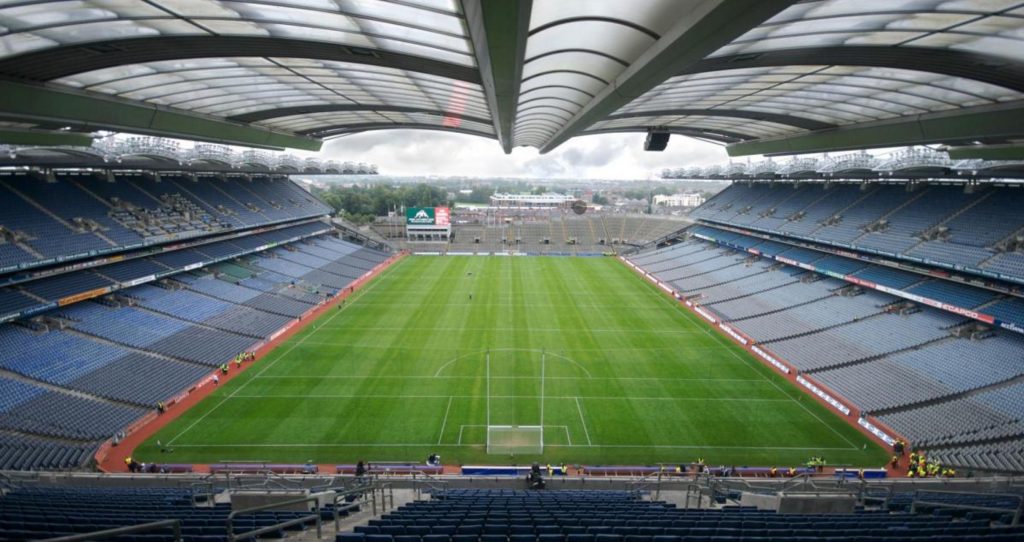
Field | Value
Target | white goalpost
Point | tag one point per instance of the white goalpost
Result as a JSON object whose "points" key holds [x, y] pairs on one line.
{"points": [[515, 439]]}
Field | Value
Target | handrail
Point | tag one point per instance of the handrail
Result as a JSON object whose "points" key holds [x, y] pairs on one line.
{"points": [[864, 495], [641, 485], [197, 488], [1016, 513], [694, 488], [383, 497], [231, 536], [363, 491], [422, 478], [174, 524]]}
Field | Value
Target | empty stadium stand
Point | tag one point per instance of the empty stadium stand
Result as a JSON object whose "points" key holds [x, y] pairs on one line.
{"points": [[948, 381], [80, 215], [89, 349], [976, 230], [554, 234]]}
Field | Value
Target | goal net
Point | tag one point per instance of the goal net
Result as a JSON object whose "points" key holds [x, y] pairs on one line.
{"points": [[515, 439]]}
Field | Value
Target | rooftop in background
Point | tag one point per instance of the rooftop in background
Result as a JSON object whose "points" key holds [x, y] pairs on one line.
{"points": [[161, 154], [766, 77], [903, 164]]}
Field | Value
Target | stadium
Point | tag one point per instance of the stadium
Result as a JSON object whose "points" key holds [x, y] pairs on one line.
{"points": [[196, 345]]}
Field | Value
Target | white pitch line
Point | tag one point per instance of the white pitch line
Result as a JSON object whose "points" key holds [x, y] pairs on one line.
{"points": [[418, 348], [503, 329], [598, 397], [783, 392], [451, 377], [271, 364], [728, 347], [432, 445], [583, 421], [445, 422]]}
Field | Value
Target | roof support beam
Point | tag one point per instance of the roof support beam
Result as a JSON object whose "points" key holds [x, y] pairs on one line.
{"points": [[349, 129], [268, 114], [44, 138], [87, 111], [498, 29], [57, 62], [710, 25], [998, 71], [788, 120], [999, 122]]}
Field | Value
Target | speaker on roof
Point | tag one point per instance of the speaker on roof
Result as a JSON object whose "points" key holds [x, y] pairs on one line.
{"points": [[656, 140]]}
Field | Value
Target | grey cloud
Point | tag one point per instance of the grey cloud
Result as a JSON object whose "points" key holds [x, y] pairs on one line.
{"points": [[421, 152]]}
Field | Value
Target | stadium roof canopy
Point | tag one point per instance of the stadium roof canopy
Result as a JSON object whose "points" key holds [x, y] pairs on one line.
{"points": [[764, 76]]}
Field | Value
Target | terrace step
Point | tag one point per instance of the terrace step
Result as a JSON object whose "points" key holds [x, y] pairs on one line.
{"points": [[819, 330]]}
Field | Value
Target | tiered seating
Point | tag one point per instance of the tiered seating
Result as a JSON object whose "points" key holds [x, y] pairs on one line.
{"points": [[808, 318], [610, 516], [168, 336], [76, 214], [931, 372], [20, 452], [82, 367], [56, 414], [38, 513], [11, 255], [986, 415], [39, 230], [893, 278], [13, 301], [938, 223], [775, 299], [864, 338], [909, 368]]}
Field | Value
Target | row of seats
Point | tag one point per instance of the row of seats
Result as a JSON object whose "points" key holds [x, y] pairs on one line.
{"points": [[15, 299], [112, 359], [78, 214], [475, 516], [938, 223], [43, 512], [874, 350]]}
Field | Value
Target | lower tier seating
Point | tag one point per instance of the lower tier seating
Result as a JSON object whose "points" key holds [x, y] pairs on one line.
{"points": [[89, 369], [912, 365]]}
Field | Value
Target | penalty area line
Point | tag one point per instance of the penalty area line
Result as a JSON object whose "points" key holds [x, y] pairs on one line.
{"points": [[445, 422]]}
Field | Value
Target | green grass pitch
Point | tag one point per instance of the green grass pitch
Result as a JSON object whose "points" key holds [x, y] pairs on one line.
{"points": [[401, 371]]}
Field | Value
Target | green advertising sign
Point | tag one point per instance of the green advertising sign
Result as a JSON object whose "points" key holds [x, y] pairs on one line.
{"points": [[419, 216]]}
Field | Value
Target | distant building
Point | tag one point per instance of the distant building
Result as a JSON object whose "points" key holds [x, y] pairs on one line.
{"points": [[679, 200], [531, 201]]}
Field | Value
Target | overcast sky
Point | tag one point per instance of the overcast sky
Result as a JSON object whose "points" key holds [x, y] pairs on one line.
{"points": [[606, 156]]}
